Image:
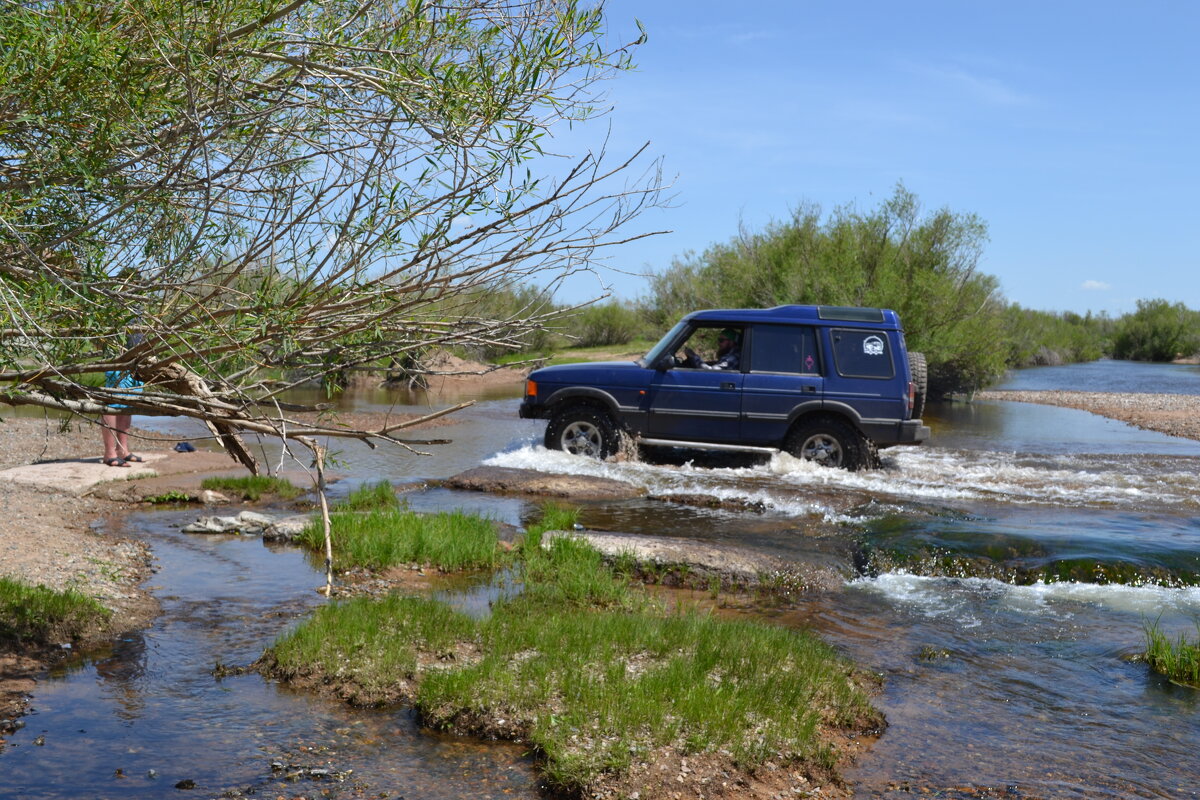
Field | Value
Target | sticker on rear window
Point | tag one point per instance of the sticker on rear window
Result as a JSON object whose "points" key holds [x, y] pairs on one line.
{"points": [[873, 346]]}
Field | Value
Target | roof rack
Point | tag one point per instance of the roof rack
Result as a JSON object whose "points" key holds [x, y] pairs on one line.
{"points": [[850, 313]]}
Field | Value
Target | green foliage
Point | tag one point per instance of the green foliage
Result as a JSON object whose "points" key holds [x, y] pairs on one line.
{"points": [[38, 615], [253, 487], [1044, 338], [173, 496], [383, 538], [289, 189], [1157, 331], [1179, 660], [923, 266], [612, 323]]}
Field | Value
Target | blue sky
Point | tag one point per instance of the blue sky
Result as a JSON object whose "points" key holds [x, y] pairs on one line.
{"points": [[1070, 128]]}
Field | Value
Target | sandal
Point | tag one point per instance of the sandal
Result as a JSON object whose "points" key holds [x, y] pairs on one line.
{"points": [[135, 458], [115, 462]]}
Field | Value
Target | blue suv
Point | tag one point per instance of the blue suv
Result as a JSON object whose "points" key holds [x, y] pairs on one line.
{"points": [[827, 384]]}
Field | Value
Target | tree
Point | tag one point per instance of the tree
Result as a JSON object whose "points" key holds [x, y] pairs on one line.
{"points": [[925, 266], [273, 190], [1157, 331]]}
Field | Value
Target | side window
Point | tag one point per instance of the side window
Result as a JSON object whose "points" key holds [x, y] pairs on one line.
{"points": [[784, 348], [862, 354]]}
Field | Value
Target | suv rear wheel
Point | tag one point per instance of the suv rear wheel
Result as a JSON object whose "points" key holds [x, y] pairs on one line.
{"points": [[831, 443], [583, 431]]}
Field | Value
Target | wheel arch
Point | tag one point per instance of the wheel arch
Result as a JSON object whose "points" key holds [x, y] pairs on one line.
{"points": [[816, 410], [583, 396]]}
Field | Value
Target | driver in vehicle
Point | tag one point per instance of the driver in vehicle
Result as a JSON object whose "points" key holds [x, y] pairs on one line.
{"points": [[729, 353]]}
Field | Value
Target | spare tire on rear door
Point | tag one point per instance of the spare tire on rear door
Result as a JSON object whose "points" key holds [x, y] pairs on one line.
{"points": [[920, 379]]}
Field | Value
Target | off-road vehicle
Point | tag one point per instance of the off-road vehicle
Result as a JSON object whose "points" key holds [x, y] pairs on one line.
{"points": [[828, 384]]}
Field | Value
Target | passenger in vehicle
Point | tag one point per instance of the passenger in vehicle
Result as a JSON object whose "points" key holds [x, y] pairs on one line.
{"points": [[729, 353]]}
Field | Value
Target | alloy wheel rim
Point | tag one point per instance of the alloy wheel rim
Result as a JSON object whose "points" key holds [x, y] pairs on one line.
{"points": [[582, 439], [822, 448]]}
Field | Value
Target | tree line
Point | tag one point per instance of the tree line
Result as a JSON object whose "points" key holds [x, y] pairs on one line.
{"points": [[923, 265]]}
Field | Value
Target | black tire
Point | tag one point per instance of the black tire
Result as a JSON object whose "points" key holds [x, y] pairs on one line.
{"points": [[583, 431], [920, 379], [831, 443]]}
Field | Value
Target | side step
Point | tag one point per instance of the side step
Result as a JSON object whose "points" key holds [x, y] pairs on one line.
{"points": [[737, 448]]}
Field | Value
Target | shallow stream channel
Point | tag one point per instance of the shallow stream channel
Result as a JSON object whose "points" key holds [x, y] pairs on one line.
{"points": [[999, 580]]}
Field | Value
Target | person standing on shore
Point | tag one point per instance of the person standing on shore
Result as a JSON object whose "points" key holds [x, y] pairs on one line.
{"points": [[114, 428]]}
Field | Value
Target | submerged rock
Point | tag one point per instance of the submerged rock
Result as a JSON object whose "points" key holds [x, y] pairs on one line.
{"points": [[506, 480]]}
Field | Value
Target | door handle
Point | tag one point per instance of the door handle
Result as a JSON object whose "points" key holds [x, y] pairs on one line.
{"points": [[810, 389], [728, 385]]}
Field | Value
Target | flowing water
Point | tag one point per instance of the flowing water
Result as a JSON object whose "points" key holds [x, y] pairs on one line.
{"points": [[1001, 582]]}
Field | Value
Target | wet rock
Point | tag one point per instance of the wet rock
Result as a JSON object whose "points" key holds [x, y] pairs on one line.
{"points": [[286, 529], [505, 480], [245, 522], [711, 501], [702, 562], [186, 783]]}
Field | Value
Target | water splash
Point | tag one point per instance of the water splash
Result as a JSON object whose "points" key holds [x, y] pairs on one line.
{"points": [[941, 597], [908, 474]]}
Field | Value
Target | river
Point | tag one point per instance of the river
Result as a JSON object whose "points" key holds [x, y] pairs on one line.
{"points": [[995, 682]]}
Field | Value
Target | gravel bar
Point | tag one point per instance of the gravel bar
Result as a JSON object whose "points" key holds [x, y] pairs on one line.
{"points": [[1172, 414]]}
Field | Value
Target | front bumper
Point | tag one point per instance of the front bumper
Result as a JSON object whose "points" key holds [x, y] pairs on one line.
{"points": [[528, 410]]}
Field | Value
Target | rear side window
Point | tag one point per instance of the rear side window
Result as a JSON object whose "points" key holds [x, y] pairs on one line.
{"points": [[862, 354], [784, 348]]}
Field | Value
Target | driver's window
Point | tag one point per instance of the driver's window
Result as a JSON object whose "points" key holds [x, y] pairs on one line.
{"points": [[714, 347]]}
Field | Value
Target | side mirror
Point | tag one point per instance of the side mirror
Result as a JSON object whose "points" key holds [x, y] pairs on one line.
{"points": [[665, 363]]}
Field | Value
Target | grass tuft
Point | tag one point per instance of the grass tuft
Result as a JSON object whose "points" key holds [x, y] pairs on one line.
{"points": [[252, 487], [1179, 660], [384, 538], [369, 497], [371, 644], [38, 615]]}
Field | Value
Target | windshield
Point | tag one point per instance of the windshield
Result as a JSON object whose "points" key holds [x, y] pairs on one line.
{"points": [[664, 343]]}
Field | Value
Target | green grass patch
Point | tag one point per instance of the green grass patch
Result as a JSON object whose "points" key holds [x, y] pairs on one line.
{"points": [[371, 645], [173, 496], [590, 669], [37, 615], [1179, 660], [595, 691], [384, 538], [369, 497], [252, 487]]}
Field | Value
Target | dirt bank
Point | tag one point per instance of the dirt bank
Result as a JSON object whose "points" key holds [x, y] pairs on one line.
{"points": [[49, 539], [1172, 414]]}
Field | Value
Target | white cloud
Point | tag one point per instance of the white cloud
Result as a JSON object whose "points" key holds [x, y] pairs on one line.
{"points": [[1095, 286], [983, 88]]}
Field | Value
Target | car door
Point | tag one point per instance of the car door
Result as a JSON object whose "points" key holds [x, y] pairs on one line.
{"points": [[784, 376], [696, 405]]}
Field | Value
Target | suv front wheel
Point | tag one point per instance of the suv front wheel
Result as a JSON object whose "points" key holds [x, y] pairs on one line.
{"points": [[830, 443], [583, 431]]}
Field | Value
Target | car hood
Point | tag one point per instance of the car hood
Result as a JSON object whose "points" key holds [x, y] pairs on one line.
{"points": [[590, 372]]}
